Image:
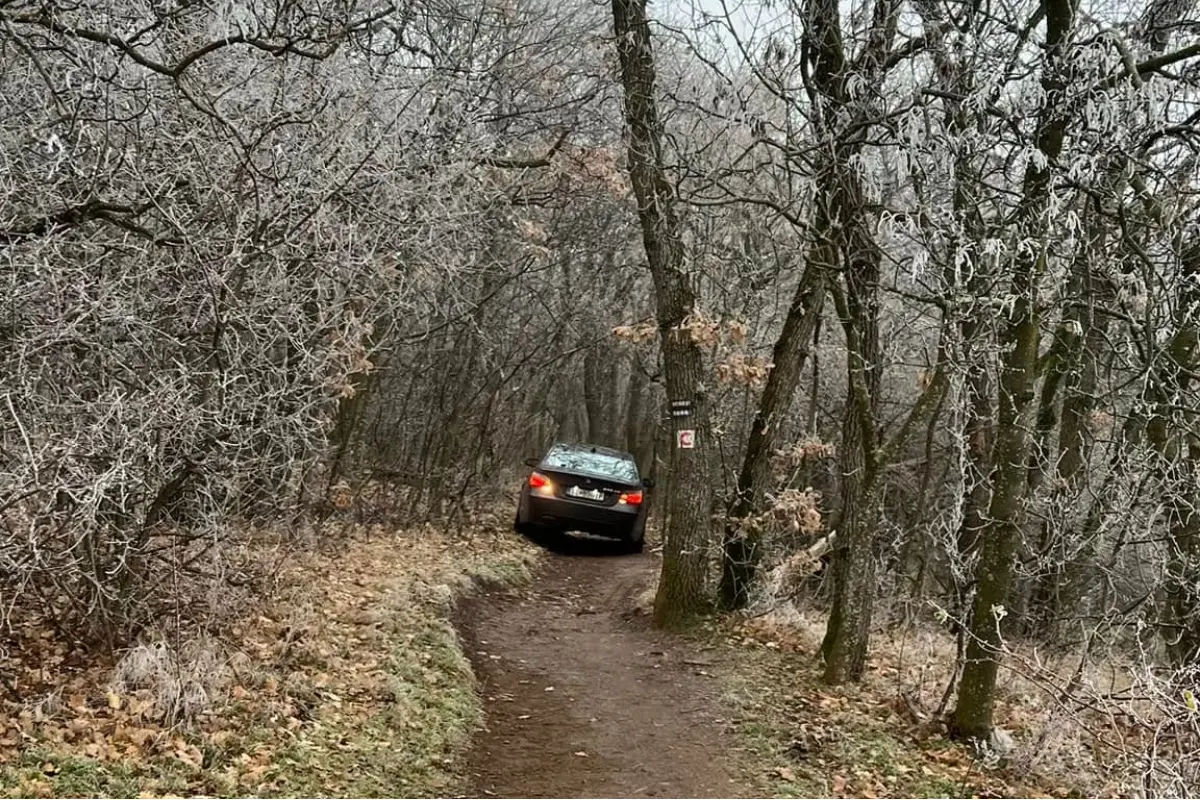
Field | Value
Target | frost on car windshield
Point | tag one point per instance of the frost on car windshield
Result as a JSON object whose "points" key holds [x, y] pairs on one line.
{"points": [[602, 465]]}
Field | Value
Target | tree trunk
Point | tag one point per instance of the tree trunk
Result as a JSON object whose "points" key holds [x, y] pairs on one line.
{"points": [[1064, 582], [741, 544], [682, 587], [994, 573], [593, 396], [633, 410], [972, 717], [978, 433], [1178, 449], [846, 637], [957, 79]]}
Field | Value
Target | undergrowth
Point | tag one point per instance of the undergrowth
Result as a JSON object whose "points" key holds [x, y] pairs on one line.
{"points": [[882, 737], [349, 682]]}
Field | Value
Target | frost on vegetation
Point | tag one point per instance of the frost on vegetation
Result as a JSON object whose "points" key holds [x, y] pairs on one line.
{"points": [[197, 305], [238, 333], [179, 682]]}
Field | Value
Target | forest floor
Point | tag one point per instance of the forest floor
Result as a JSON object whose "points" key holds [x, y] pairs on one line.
{"points": [[416, 663], [583, 698], [344, 678]]}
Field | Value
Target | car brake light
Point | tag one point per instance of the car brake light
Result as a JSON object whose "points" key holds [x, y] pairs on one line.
{"points": [[630, 498], [540, 483]]}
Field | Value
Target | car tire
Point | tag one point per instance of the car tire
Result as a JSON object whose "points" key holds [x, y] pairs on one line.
{"points": [[523, 526], [531, 531], [527, 529], [636, 543]]}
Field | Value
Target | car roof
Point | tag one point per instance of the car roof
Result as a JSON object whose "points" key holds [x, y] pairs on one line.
{"points": [[593, 448]]}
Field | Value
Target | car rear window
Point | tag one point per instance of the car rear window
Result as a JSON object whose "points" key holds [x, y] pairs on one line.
{"points": [[602, 465]]}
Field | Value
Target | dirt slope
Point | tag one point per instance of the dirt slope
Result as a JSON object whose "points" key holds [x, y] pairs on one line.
{"points": [[583, 698]]}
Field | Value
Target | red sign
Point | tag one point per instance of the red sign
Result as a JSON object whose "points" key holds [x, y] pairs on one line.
{"points": [[685, 439]]}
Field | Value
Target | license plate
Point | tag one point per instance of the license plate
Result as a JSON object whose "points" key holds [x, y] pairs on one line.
{"points": [[586, 494]]}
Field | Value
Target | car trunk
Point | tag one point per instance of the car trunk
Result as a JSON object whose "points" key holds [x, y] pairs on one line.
{"points": [[584, 487]]}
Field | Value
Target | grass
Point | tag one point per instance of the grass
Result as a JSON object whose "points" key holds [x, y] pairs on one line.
{"points": [[406, 746], [351, 683], [880, 736], [801, 738], [44, 773]]}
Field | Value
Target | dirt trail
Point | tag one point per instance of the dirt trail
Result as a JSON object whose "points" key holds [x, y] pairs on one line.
{"points": [[583, 698]]}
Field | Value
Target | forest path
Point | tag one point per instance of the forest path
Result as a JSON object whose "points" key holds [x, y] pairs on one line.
{"points": [[582, 697]]}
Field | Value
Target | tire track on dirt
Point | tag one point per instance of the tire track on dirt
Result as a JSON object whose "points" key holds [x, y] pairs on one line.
{"points": [[583, 698]]}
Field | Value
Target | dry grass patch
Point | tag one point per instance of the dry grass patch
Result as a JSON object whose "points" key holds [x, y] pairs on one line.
{"points": [[348, 681], [808, 739], [1069, 729]]}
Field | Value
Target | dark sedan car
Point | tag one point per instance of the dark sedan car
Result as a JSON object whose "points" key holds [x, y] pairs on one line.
{"points": [[585, 488]]}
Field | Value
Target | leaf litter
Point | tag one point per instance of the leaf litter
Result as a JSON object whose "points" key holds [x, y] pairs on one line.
{"points": [[855, 741], [346, 681]]}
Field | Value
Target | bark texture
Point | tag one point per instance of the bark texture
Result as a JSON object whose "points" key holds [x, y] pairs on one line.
{"points": [[682, 590]]}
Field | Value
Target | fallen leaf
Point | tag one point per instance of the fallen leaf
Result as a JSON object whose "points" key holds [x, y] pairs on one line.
{"points": [[37, 789], [220, 737], [114, 700], [786, 773], [140, 707]]}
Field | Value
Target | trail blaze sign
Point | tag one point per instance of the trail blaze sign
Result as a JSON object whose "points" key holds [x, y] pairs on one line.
{"points": [[685, 439], [681, 408]]}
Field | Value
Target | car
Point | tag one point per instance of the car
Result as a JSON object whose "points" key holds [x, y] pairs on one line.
{"points": [[588, 489]]}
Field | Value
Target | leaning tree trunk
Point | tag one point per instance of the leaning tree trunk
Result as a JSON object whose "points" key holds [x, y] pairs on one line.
{"points": [[741, 547], [998, 544], [682, 587]]}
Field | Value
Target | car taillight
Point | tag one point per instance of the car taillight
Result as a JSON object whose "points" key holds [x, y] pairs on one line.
{"points": [[630, 498], [540, 483]]}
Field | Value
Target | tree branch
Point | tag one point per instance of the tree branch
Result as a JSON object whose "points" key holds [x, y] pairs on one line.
{"points": [[88, 211], [1149, 67], [501, 162], [291, 45]]}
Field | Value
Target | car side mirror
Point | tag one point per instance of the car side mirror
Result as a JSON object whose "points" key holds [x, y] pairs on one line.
{"points": [[648, 483], [532, 462]]}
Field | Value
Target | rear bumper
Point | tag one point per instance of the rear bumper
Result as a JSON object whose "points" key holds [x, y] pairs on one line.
{"points": [[617, 522]]}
